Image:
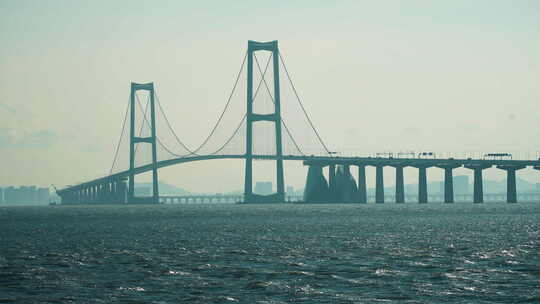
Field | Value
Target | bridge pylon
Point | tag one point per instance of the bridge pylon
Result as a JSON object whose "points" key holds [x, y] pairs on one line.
{"points": [[133, 140], [249, 196]]}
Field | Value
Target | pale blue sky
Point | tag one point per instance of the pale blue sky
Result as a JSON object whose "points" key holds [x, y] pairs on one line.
{"points": [[375, 75]]}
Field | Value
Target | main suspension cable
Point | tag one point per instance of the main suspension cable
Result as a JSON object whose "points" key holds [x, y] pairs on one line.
{"points": [[231, 137], [282, 120], [121, 136], [158, 140], [215, 127], [195, 151], [170, 127], [226, 106], [301, 105]]}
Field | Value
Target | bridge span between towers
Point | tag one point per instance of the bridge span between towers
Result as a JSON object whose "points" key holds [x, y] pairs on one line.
{"points": [[149, 150]]}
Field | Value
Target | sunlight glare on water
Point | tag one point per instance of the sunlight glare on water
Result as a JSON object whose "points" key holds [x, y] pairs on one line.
{"points": [[271, 253]]}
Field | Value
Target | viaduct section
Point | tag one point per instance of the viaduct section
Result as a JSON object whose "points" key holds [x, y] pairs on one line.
{"points": [[341, 186]]}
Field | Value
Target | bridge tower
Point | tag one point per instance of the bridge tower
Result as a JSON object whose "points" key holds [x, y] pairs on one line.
{"points": [[133, 140], [249, 196]]}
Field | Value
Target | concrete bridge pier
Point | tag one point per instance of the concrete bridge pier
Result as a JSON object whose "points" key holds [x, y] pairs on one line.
{"points": [[121, 188], [400, 184], [94, 194], [101, 193], [448, 181], [422, 183], [90, 194], [107, 192], [114, 191], [92, 197], [332, 193], [511, 192], [362, 189], [379, 184], [346, 188], [478, 196], [316, 189]]}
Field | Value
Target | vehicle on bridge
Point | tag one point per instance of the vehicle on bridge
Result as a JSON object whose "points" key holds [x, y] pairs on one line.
{"points": [[497, 156]]}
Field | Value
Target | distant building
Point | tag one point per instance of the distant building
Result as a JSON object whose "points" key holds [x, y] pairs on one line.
{"points": [[43, 194], [11, 195], [25, 194], [290, 190], [461, 184], [263, 188]]}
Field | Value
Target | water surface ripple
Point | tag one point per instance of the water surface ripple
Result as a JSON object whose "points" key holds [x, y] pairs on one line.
{"points": [[411, 253]]}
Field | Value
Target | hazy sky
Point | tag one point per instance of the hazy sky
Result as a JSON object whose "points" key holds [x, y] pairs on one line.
{"points": [[446, 76]]}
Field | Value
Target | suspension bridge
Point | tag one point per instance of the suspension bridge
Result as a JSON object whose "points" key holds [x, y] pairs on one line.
{"points": [[263, 132]]}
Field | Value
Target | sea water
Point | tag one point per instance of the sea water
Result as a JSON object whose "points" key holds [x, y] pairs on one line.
{"points": [[279, 253]]}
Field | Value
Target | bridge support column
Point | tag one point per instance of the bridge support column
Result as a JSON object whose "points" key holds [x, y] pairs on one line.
{"points": [[346, 189], [106, 192], [511, 191], [478, 196], [332, 193], [114, 191], [362, 189], [316, 189], [92, 195], [422, 185], [134, 139], [82, 195], [448, 181], [379, 184], [275, 118], [400, 185], [96, 193], [100, 193]]}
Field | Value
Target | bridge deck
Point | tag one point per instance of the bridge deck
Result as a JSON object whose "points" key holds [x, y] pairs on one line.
{"points": [[320, 161]]}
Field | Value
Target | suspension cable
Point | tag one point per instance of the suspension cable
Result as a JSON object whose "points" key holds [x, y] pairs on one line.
{"points": [[121, 136], [226, 106], [301, 105], [231, 137], [158, 140], [245, 115], [195, 152], [282, 120], [170, 127]]}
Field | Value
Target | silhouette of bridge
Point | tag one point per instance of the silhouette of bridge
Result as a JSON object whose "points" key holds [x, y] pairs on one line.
{"points": [[150, 151]]}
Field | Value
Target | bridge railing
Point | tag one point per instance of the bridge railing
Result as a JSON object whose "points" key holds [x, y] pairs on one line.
{"points": [[423, 154]]}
